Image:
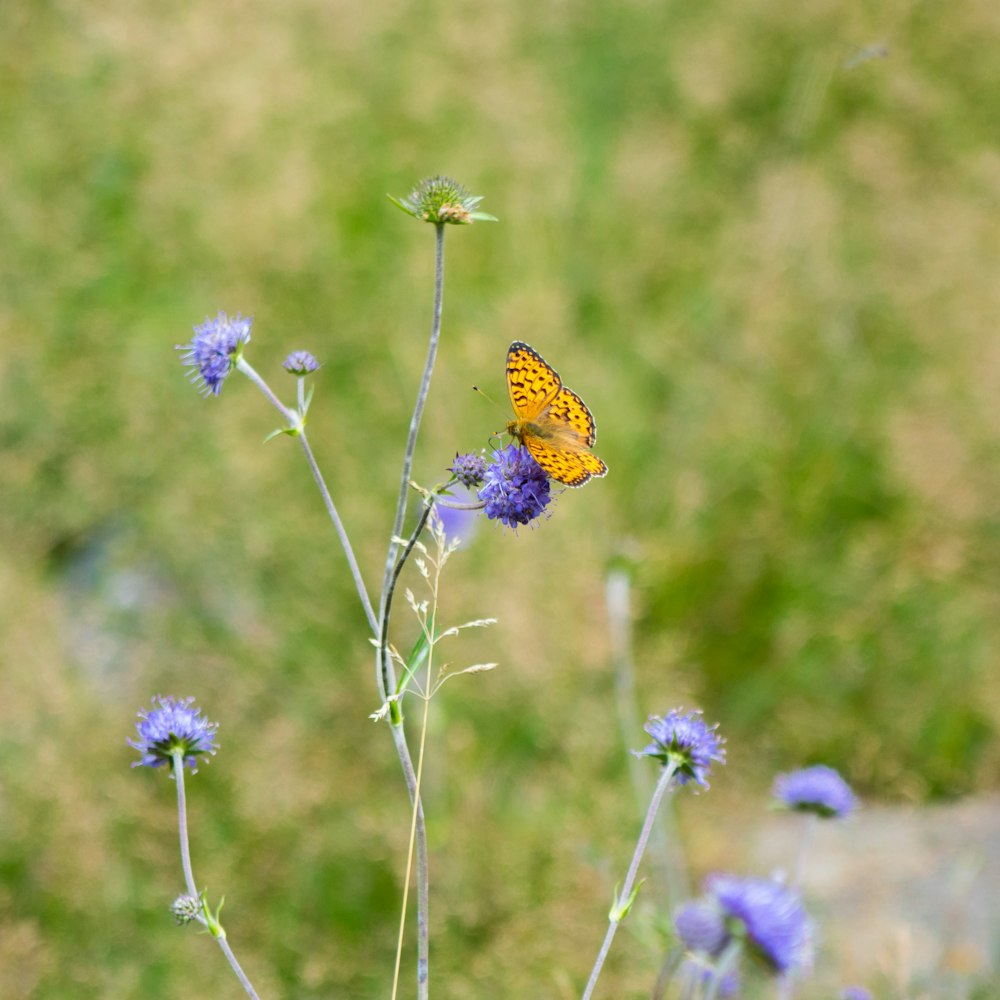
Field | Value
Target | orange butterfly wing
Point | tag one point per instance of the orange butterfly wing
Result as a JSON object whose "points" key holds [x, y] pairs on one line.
{"points": [[553, 422], [531, 382]]}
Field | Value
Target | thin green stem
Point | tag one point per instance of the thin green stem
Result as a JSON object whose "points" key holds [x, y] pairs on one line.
{"points": [[726, 961], [384, 672], [666, 847], [296, 421], [411, 440], [808, 832], [177, 763], [420, 830], [623, 902], [178, 767], [383, 631], [409, 858], [345, 542], [244, 366]]}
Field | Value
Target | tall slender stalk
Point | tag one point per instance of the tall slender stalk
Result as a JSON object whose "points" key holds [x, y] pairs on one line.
{"points": [[624, 900], [295, 420], [385, 673], [211, 922], [411, 440], [665, 846]]}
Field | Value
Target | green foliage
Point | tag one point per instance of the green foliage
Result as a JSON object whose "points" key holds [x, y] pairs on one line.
{"points": [[772, 278]]}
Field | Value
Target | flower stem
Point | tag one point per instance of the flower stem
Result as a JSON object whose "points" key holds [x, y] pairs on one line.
{"points": [[383, 632], [808, 831], [247, 369], [295, 420], [384, 672], [668, 854], [411, 441], [623, 900], [216, 929], [421, 883], [345, 542], [178, 767], [420, 836], [726, 961]]}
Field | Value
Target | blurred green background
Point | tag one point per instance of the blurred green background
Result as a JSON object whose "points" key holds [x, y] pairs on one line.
{"points": [[760, 239]]}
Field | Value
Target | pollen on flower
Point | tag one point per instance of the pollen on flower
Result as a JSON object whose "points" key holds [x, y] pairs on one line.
{"points": [[214, 351]]}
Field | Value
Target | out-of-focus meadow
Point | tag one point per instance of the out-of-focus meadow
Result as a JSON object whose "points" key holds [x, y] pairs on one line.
{"points": [[760, 239]]}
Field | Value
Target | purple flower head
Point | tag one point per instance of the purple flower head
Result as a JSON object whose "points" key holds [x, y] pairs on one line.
{"points": [[700, 926], [300, 363], [818, 789], [516, 488], [214, 351], [469, 470], [692, 970], [173, 725], [686, 742], [855, 993], [769, 915]]}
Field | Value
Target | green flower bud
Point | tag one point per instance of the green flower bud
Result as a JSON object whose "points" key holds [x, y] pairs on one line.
{"points": [[442, 200]]}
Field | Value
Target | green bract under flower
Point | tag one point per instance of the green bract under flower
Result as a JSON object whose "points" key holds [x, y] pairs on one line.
{"points": [[442, 200]]}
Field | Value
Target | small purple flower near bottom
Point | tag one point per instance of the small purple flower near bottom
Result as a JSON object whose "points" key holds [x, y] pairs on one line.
{"points": [[769, 915], [516, 487], [173, 725], [214, 350], [818, 789], [700, 927]]}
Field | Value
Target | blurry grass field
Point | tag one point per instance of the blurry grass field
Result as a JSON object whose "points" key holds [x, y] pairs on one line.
{"points": [[763, 248]]}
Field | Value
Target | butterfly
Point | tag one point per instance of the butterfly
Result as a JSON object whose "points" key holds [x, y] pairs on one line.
{"points": [[552, 422]]}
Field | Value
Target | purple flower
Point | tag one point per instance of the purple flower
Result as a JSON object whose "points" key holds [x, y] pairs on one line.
{"points": [[686, 742], [769, 915], [469, 470], [214, 351], [516, 488], [300, 363], [700, 927], [818, 789], [855, 993], [173, 726]]}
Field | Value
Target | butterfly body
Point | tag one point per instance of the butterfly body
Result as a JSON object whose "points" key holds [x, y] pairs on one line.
{"points": [[551, 421]]}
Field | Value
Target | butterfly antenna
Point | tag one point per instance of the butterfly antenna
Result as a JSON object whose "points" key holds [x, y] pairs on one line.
{"points": [[484, 394], [488, 397]]}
